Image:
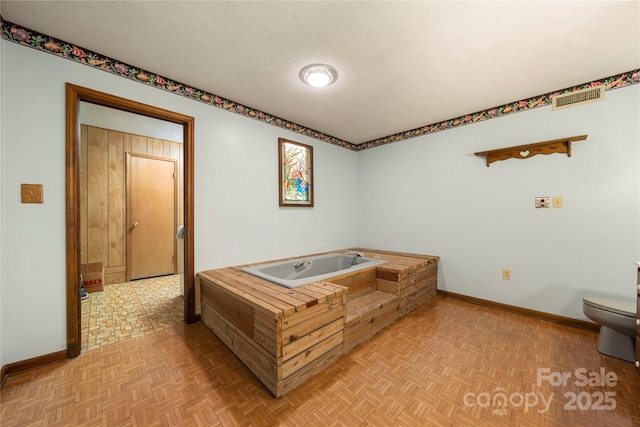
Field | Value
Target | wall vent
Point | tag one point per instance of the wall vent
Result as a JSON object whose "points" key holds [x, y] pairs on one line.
{"points": [[578, 97]]}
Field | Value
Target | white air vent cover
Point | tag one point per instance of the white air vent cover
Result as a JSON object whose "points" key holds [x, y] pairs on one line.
{"points": [[578, 97]]}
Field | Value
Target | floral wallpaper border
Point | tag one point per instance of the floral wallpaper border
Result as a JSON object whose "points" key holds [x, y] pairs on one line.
{"points": [[613, 82], [26, 37]]}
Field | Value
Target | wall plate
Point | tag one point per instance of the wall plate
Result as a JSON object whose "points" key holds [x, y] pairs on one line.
{"points": [[31, 193], [543, 202]]}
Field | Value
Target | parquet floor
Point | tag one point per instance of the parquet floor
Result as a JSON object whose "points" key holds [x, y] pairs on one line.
{"points": [[445, 364], [125, 310]]}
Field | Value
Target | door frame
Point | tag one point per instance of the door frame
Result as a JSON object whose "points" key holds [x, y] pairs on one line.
{"points": [[74, 95], [128, 224]]}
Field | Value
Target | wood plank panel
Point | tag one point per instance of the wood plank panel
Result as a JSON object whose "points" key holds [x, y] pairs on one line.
{"points": [[181, 184], [366, 305], [335, 304], [239, 313], [115, 232], [328, 322], [241, 282], [257, 361], [389, 286], [166, 149], [114, 275], [370, 325], [301, 344], [97, 195], [138, 144], [116, 200], [155, 147], [408, 290], [303, 359], [211, 278], [267, 335], [299, 330], [359, 283], [302, 375], [126, 140], [328, 290], [271, 291], [266, 361]]}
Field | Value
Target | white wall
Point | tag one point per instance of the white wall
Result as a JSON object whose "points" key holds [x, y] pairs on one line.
{"points": [[237, 217], [432, 195], [427, 195]]}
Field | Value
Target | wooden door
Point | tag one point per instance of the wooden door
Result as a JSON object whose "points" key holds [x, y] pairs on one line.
{"points": [[151, 216]]}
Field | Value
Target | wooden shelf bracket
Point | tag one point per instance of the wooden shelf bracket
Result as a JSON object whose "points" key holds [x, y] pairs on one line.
{"points": [[562, 145]]}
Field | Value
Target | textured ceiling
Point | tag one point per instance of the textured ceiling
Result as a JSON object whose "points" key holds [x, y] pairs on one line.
{"points": [[401, 65]]}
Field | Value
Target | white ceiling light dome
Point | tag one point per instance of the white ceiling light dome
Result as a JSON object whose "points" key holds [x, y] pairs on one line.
{"points": [[318, 75]]}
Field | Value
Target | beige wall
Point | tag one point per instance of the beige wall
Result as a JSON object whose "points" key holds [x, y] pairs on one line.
{"points": [[102, 193]]}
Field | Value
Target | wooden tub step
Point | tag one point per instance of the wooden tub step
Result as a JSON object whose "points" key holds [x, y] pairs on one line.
{"points": [[368, 314]]}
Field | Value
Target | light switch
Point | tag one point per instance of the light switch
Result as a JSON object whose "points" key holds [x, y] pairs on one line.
{"points": [[32, 193]]}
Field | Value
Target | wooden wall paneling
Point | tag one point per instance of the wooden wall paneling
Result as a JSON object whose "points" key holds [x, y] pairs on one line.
{"points": [[114, 146], [97, 195], [166, 149], [116, 200], [126, 141], [180, 150], [83, 195], [173, 150], [157, 147], [138, 144]]}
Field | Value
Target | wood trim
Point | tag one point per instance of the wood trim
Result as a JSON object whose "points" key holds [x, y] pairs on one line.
{"points": [[562, 145], [73, 221], [4, 373], [75, 94], [404, 254], [188, 158], [282, 202], [562, 320], [29, 364]]}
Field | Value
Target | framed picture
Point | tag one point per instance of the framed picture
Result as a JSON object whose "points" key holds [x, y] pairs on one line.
{"points": [[295, 172]]}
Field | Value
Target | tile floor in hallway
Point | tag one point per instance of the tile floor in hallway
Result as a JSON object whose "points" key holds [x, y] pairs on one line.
{"points": [[445, 364], [126, 310]]}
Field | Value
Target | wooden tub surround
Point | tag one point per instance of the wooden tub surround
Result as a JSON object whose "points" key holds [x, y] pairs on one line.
{"points": [[286, 335]]}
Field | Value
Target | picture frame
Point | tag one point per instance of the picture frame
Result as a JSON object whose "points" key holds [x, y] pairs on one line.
{"points": [[295, 174]]}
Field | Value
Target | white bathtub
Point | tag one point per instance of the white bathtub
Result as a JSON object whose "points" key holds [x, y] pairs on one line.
{"points": [[301, 271]]}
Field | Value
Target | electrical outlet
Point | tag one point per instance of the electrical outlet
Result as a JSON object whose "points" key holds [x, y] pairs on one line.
{"points": [[506, 274], [543, 202], [557, 202]]}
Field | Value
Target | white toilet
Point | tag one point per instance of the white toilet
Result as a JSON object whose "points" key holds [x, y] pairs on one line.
{"points": [[617, 320]]}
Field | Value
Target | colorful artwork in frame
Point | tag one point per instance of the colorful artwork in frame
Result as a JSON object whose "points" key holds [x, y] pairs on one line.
{"points": [[295, 173]]}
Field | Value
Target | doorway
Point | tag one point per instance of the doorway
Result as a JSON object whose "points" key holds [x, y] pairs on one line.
{"points": [[74, 95]]}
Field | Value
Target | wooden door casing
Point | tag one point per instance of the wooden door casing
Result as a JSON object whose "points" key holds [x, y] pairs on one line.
{"points": [[74, 96]]}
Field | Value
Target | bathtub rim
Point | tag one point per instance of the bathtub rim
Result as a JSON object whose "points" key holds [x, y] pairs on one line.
{"points": [[254, 270]]}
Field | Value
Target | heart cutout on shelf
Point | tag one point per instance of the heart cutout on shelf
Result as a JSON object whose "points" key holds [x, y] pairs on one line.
{"points": [[525, 153]]}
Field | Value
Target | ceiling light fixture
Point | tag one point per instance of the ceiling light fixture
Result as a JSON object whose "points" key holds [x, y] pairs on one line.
{"points": [[318, 75]]}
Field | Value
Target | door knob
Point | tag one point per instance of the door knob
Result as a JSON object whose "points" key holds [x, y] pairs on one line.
{"points": [[136, 224]]}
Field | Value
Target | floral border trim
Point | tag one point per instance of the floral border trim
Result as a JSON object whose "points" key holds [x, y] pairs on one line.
{"points": [[613, 82], [33, 39]]}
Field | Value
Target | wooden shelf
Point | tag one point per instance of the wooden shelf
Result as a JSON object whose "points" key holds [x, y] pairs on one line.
{"points": [[562, 145]]}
